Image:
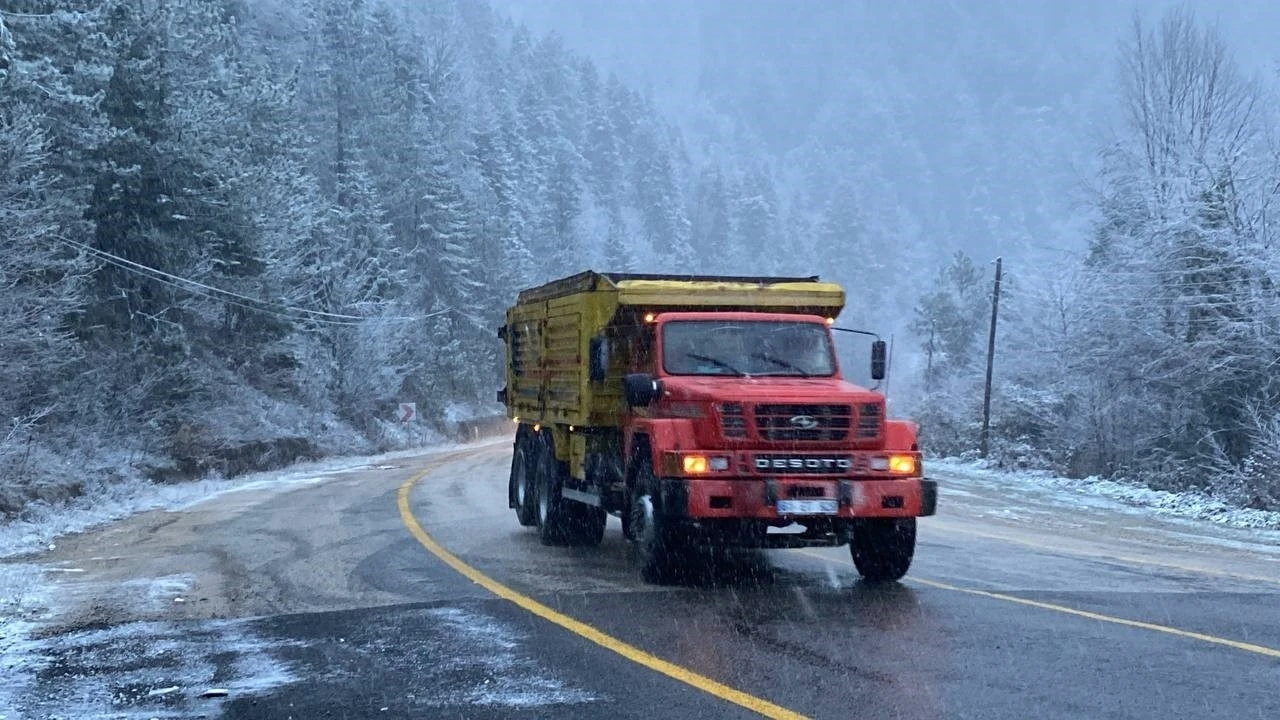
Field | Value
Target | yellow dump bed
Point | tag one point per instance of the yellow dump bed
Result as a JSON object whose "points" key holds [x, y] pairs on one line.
{"points": [[550, 329]]}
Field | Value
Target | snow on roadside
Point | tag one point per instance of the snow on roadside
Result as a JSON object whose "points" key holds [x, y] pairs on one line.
{"points": [[23, 601], [138, 670], [102, 502], [26, 601], [1112, 494]]}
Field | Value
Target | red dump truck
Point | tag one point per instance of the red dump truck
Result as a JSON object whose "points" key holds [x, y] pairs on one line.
{"points": [[704, 410]]}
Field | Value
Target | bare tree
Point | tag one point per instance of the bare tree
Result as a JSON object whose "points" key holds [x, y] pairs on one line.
{"points": [[1187, 103], [1180, 292]]}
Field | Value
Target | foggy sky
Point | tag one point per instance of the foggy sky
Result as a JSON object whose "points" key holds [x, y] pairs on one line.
{"points": [[1034, 82]]}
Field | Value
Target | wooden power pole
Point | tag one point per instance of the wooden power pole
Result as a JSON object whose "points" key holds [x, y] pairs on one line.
{"points": [[984, 441]]}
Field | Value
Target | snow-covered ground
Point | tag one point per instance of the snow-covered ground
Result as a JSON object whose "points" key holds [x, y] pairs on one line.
{"points": [[41, 524], [137, 670], [1107, 494], [22, 596], [27, 599]]}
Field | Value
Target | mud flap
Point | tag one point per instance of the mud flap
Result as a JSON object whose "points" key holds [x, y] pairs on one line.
{"points": [[675, 499], [928, 497]]}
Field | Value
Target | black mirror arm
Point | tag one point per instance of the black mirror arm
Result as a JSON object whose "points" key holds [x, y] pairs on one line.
{"points": [[863, 332], [857, 332]]}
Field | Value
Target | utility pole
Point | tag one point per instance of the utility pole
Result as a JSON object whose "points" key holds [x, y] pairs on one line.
{"points": [[984, 440]]}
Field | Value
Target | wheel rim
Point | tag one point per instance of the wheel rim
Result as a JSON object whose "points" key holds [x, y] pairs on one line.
{"points": [[522, 481], [544, 502], [642, 527]]}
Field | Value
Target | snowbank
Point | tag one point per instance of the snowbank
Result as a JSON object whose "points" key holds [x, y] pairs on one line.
{"points": [[1123, 496], [107, 500]]}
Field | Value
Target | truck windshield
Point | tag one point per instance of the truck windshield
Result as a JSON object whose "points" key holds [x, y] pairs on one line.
{"points": [[715, 347]]}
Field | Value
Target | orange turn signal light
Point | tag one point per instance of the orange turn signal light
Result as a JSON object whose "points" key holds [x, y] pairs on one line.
{"points": [[903, 464], [695, 464]]}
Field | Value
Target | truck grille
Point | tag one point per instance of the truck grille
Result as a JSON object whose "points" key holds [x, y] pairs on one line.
{"points": [[803, 422], [732, 420], [870, 419]]}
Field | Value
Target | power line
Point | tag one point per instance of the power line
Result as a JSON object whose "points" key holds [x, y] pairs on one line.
{"points": [[1138, 272], [235, 299], [148, 269], [229, 301], [1233, 288], [1081, 276]]}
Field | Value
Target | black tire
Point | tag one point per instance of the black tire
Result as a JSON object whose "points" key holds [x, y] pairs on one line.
{"points": [[882, 548], [523, 492], [552, 515], [625, 517], [655, 542], [586, 524]]}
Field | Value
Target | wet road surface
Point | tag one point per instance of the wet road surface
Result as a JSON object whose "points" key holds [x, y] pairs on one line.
{"points": [[318, 602]]}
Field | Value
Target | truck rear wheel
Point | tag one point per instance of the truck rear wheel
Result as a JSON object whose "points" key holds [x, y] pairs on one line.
{"points": [[882, 548], [551, 516], [655, 540], [523, 494]]}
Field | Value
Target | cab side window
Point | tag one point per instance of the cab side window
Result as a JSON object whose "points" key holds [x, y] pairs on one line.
{"points": [[640, 349]]}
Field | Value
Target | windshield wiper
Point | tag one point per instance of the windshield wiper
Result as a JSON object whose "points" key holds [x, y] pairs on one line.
{"points": [[781, 363], [717, 362]]}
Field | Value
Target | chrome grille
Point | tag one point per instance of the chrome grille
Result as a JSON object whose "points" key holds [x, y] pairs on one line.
{"points": [[732, 421], [803, 422], [870, 418]]}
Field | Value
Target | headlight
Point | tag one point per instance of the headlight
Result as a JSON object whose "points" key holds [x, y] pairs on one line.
{"points": [[903, 464], [896, 464], [695, 464]]}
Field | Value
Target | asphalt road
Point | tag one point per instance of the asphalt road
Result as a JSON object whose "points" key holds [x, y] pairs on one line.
{"points": [[337, 599]]}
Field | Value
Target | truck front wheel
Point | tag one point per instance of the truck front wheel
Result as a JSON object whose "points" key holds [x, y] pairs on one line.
{"points": [[882, 548], [655, 541]]}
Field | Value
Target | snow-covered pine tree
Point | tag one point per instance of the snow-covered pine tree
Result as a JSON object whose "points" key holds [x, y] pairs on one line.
{"points": [[711, 237], [39, 277], [658, 199]]}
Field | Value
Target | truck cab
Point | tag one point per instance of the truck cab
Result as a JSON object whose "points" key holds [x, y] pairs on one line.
{"points": [[717, 417]]}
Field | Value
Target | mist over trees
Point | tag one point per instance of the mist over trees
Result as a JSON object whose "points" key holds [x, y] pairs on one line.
{"points": [[1120, 157], [231, 225], [1154, 355], [233, 232]]}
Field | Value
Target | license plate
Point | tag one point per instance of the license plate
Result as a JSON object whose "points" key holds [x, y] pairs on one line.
{"points": [[806, 507]]}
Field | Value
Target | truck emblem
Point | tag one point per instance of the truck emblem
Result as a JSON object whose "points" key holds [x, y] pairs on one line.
{"points": [[804, 422]]}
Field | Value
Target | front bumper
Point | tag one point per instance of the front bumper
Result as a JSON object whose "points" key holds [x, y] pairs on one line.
{"points": [[756, 498]]}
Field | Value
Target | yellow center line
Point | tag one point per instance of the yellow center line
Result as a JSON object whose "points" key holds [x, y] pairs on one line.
{"points": [[701, 682], [1202, 637]]}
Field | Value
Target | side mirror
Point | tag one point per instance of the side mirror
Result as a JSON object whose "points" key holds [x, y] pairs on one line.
{"points": [[598, 359], [641, 389], [879, 355]]}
